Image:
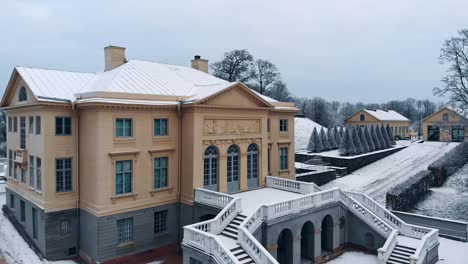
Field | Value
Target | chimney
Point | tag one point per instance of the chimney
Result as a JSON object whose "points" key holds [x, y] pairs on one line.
{"points": [[114, 57], [200, 64]]}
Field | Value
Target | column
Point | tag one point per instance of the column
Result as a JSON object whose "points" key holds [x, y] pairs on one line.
{"points": [[318, 244], [296, 250], [336, 235], [243, 167], [222, 174]]}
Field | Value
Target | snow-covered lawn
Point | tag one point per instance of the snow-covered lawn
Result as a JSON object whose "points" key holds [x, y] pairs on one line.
{"points": [[12, 246], [377, 178], [303, 128]]}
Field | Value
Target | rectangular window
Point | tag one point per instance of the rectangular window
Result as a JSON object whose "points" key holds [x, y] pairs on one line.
{"points": [[31, 125], [123, 127], [38, 174], [34, 222], [38, 125], [15, 124], [160, 222], [63, 175], [10, 163], [23, 175], [125, 230], [283, 125], [9, 124], [23, 132], [12, 201], [22, 211], [123, 176], [269, 160], [65, 227], [160, 172], [31, 171], [268, 125], [284, 158], [160, 127], [63, 126], [15, 167]]}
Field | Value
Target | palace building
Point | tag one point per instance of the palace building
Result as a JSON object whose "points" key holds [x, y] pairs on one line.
{"points": [[399, 124], [146, 159]]}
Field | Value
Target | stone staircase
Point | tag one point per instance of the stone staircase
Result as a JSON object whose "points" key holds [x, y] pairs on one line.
{"points": [[401, 255], [241, 255], [231, 230]]}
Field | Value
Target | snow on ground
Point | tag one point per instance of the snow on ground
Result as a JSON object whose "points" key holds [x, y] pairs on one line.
{"points": [[303, 128], [12, 246], [355, 257], [377, 178]]}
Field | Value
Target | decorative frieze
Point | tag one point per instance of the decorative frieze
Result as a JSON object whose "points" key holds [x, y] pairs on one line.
{"points": [[228, 142], [212, 127]]}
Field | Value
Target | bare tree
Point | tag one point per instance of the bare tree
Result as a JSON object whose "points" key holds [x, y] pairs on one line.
{"points": [[234, 67], [454, 52], [264, 74], [279, 91]]}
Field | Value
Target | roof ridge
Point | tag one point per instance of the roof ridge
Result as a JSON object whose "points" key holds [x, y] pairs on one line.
{"points": [[47, 69]]}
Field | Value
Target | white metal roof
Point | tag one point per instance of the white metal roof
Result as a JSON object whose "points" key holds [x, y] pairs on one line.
{"points": [[133, 77], [386, 115]]}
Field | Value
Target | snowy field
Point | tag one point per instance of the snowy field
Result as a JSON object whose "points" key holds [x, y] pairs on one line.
{"points": [[12, 246], [377, 178]]}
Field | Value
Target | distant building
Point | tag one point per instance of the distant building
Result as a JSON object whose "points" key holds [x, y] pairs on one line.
{"points": [[398, 123], [446, 125]]}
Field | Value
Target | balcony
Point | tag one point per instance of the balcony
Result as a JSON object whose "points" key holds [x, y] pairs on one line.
{"points": [[21, 156]]}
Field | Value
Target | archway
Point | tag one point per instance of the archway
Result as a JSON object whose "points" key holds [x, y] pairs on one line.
{"points": [[369, 240], [207, 217], [285, 247], [327, 234], [342, 230], [307, 240]]}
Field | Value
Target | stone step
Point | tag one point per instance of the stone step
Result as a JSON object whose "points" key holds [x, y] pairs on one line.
{"points": [[392, 260], [229, 235], [399, 246], [404, 250]]}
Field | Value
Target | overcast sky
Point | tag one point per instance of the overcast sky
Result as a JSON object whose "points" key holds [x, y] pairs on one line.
{"points": [[346, 50]]}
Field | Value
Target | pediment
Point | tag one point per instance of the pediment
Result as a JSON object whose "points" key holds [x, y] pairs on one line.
{"points": [[236, 96], [11, 97]]}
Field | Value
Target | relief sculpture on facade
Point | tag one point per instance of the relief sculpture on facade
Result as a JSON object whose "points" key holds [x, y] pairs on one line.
{"points": [[230, 126]]}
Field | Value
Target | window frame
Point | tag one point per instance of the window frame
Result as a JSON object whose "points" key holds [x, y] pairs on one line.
{"points": [[63, 176], [22, 95], [282, 156], [252, 162], [155, 132], [32, 181], [160, 222], [64, 229], [22, 211], [38, 125], [362, 117], [123, 137], [160, 169], [63, 130], [31, 125], [15, 124], [233, 165], [12, 201], [283, 125], [121, 236], [10, 124], [123, 172], [38, 174]]}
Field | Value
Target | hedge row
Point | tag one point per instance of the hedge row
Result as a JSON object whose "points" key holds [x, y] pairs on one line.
{"points": [[402, 196], [447, 165]]}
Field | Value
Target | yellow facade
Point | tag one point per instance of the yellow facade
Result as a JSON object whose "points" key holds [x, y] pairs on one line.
{"points": [[234, 116], [443, 123], [362, 118]]}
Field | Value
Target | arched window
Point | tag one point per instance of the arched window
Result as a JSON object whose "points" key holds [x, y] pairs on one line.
{"points": [[252, 161], [210, 179], [23, 96], [445, 117], [362, 117], [233, 163]]}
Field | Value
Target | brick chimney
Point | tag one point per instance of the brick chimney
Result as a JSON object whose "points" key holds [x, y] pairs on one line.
{"points": [[114, 57], [200, 64]]}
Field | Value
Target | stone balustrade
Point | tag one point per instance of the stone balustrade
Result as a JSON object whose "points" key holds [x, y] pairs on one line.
{"points": [[385, 251], [212, 198], [291, 185], [428, 241], [255, 250]]}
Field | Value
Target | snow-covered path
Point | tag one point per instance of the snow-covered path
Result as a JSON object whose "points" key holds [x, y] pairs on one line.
{"points": [[377, 178], [12, 246]]}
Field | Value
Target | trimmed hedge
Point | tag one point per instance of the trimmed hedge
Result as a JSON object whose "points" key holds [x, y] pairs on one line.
{"points": [[447, 165], [404, 195]]}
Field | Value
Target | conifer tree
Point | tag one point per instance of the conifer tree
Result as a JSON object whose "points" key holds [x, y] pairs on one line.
{"points": [[390, 135], [375, 138], [317, 141], [337, 135], [346, 145], [311, 146], [368, 136], [364, 144], [356, 140], [331, 138], [378, 132], [385, 136], [324, 138]]}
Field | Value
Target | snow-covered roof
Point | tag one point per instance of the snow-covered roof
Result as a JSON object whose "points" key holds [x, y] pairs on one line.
{"points": [[303, 128], [133, 77], [386, 115]]}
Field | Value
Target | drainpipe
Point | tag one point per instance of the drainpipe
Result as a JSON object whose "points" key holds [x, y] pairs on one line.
{"points": [[77, 158], [179, 182]]}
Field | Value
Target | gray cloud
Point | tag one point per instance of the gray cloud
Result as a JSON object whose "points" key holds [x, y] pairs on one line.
{"points": [[353, 50]]}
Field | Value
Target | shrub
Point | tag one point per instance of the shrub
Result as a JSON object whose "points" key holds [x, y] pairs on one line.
{"points": [[449, 163], [404, 195]]}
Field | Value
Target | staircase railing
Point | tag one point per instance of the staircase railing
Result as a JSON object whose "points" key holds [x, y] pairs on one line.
{"points": [[428, 241], [291, 185], [386, 250], [212, 198], [255, 250]]}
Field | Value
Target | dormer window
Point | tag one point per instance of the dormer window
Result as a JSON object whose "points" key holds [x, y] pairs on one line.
{"points": [[23, 96], [362, 117]]}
